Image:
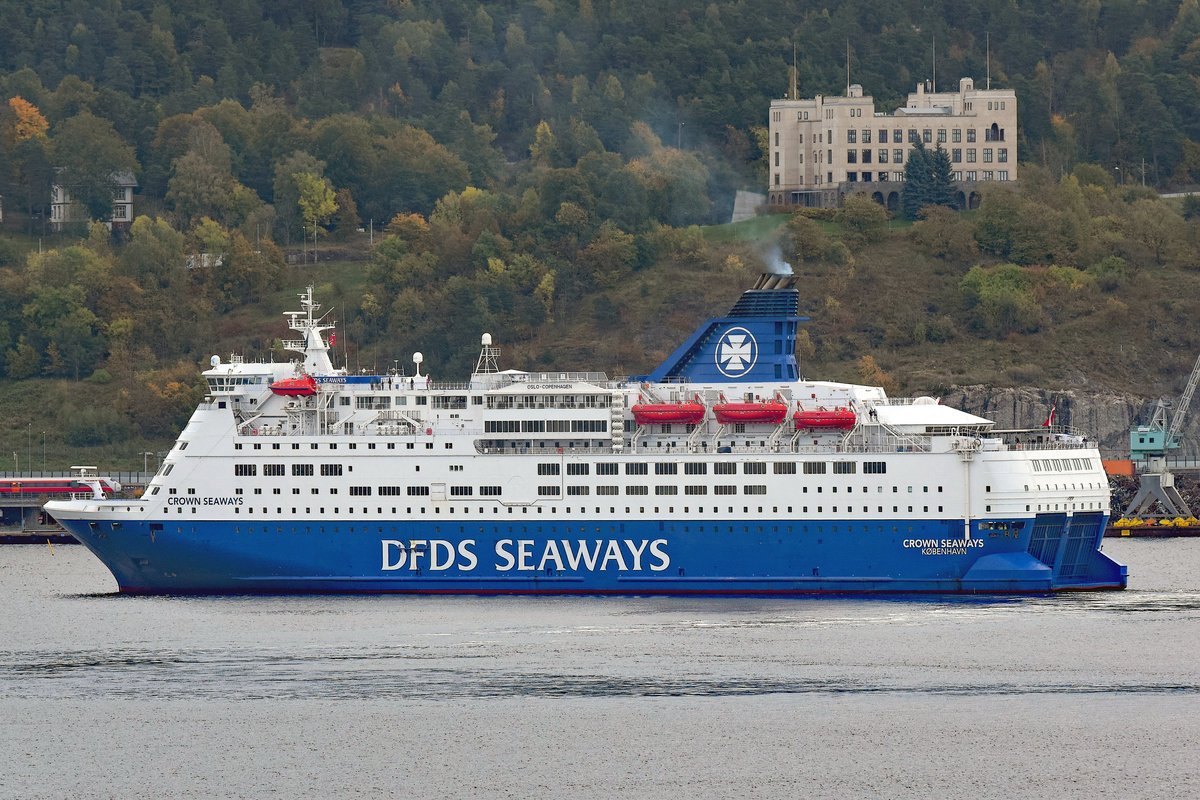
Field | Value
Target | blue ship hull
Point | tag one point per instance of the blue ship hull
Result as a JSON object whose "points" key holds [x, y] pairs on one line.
{"points": [[1049, 552]]}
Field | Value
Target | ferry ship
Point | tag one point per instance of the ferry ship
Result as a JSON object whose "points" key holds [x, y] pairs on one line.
{"points": [[722, 472]]}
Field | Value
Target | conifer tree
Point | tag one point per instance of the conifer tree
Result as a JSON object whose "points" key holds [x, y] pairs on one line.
{"points": [[928, 180], [916, 180]]}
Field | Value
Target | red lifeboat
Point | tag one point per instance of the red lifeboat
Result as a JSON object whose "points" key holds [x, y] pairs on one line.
{"points": [[771, 412], [684, 413], [840, 419], [303, 386]]}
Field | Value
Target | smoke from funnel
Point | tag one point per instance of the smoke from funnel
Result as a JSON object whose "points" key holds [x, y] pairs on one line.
{"points": [[775, 263]]}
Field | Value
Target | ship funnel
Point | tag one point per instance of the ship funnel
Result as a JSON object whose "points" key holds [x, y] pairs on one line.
{"points": [[755, 342]]}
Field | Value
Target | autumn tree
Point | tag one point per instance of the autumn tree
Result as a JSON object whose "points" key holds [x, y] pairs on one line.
{"points": [[25, 122]]}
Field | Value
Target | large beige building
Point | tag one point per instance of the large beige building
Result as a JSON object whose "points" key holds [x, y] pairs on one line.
{"points": [[824, 148]]}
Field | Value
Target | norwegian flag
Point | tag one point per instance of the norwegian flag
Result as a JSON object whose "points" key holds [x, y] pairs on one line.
{"points": [[1050, 419], [332, 339]]}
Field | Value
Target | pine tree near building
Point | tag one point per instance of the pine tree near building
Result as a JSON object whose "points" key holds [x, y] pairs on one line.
{"points": [[928, 180]]}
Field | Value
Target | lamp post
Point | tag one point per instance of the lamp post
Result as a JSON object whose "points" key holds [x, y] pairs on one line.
{"points": [[43, 451], [145, 460], [29, 447], [679, 137], [1118, 171]]}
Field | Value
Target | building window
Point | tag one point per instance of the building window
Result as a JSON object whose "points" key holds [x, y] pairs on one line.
{"points": [[883, 156], [776, 178], [970, 155], [941, 136], [897, 136], [956, 155], [866, 156], [927, 136], [912, 135], [970, 134], [956, 176], [1003, 174], [851, 156], [956, 135], [1002, 155], [971, 175], [777, 138], [777, 159], [987, 175], [987, 155], [897, 156], [883, 136], [851, 137]]}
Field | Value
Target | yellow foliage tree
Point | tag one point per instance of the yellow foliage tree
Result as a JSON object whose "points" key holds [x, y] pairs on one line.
{"points": [[28, 122], [873, 375]]}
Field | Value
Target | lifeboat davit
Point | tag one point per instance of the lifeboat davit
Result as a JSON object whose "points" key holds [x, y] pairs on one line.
{"points": [[840, 419], [684, 413], [770, 412], [303, 386]]}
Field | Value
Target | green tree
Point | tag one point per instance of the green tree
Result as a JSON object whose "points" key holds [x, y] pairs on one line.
{"points": [[808, 241], [287, 191], [90, 155], [945, 234], [1002, 300], [928, 180], [317, 202], [864, 218], [916, 181]]}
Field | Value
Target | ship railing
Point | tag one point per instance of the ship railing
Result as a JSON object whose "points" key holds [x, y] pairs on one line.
{"points": [[702, 448], [1053, 437]]}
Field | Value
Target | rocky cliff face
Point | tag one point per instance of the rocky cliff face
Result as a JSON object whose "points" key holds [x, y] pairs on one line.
{"points": [[1103, 415]]}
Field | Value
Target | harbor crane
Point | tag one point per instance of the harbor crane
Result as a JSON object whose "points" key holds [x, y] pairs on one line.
{"points": [[1156, 481]]}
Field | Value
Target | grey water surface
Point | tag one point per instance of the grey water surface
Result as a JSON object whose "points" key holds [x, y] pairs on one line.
{"points": [[1091, 695]]}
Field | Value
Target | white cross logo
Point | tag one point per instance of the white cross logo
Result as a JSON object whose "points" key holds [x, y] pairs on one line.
{"points": [[736, 352]]}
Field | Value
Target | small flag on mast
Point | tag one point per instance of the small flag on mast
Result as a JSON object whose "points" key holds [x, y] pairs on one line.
{"points": [[1050, 419]]}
